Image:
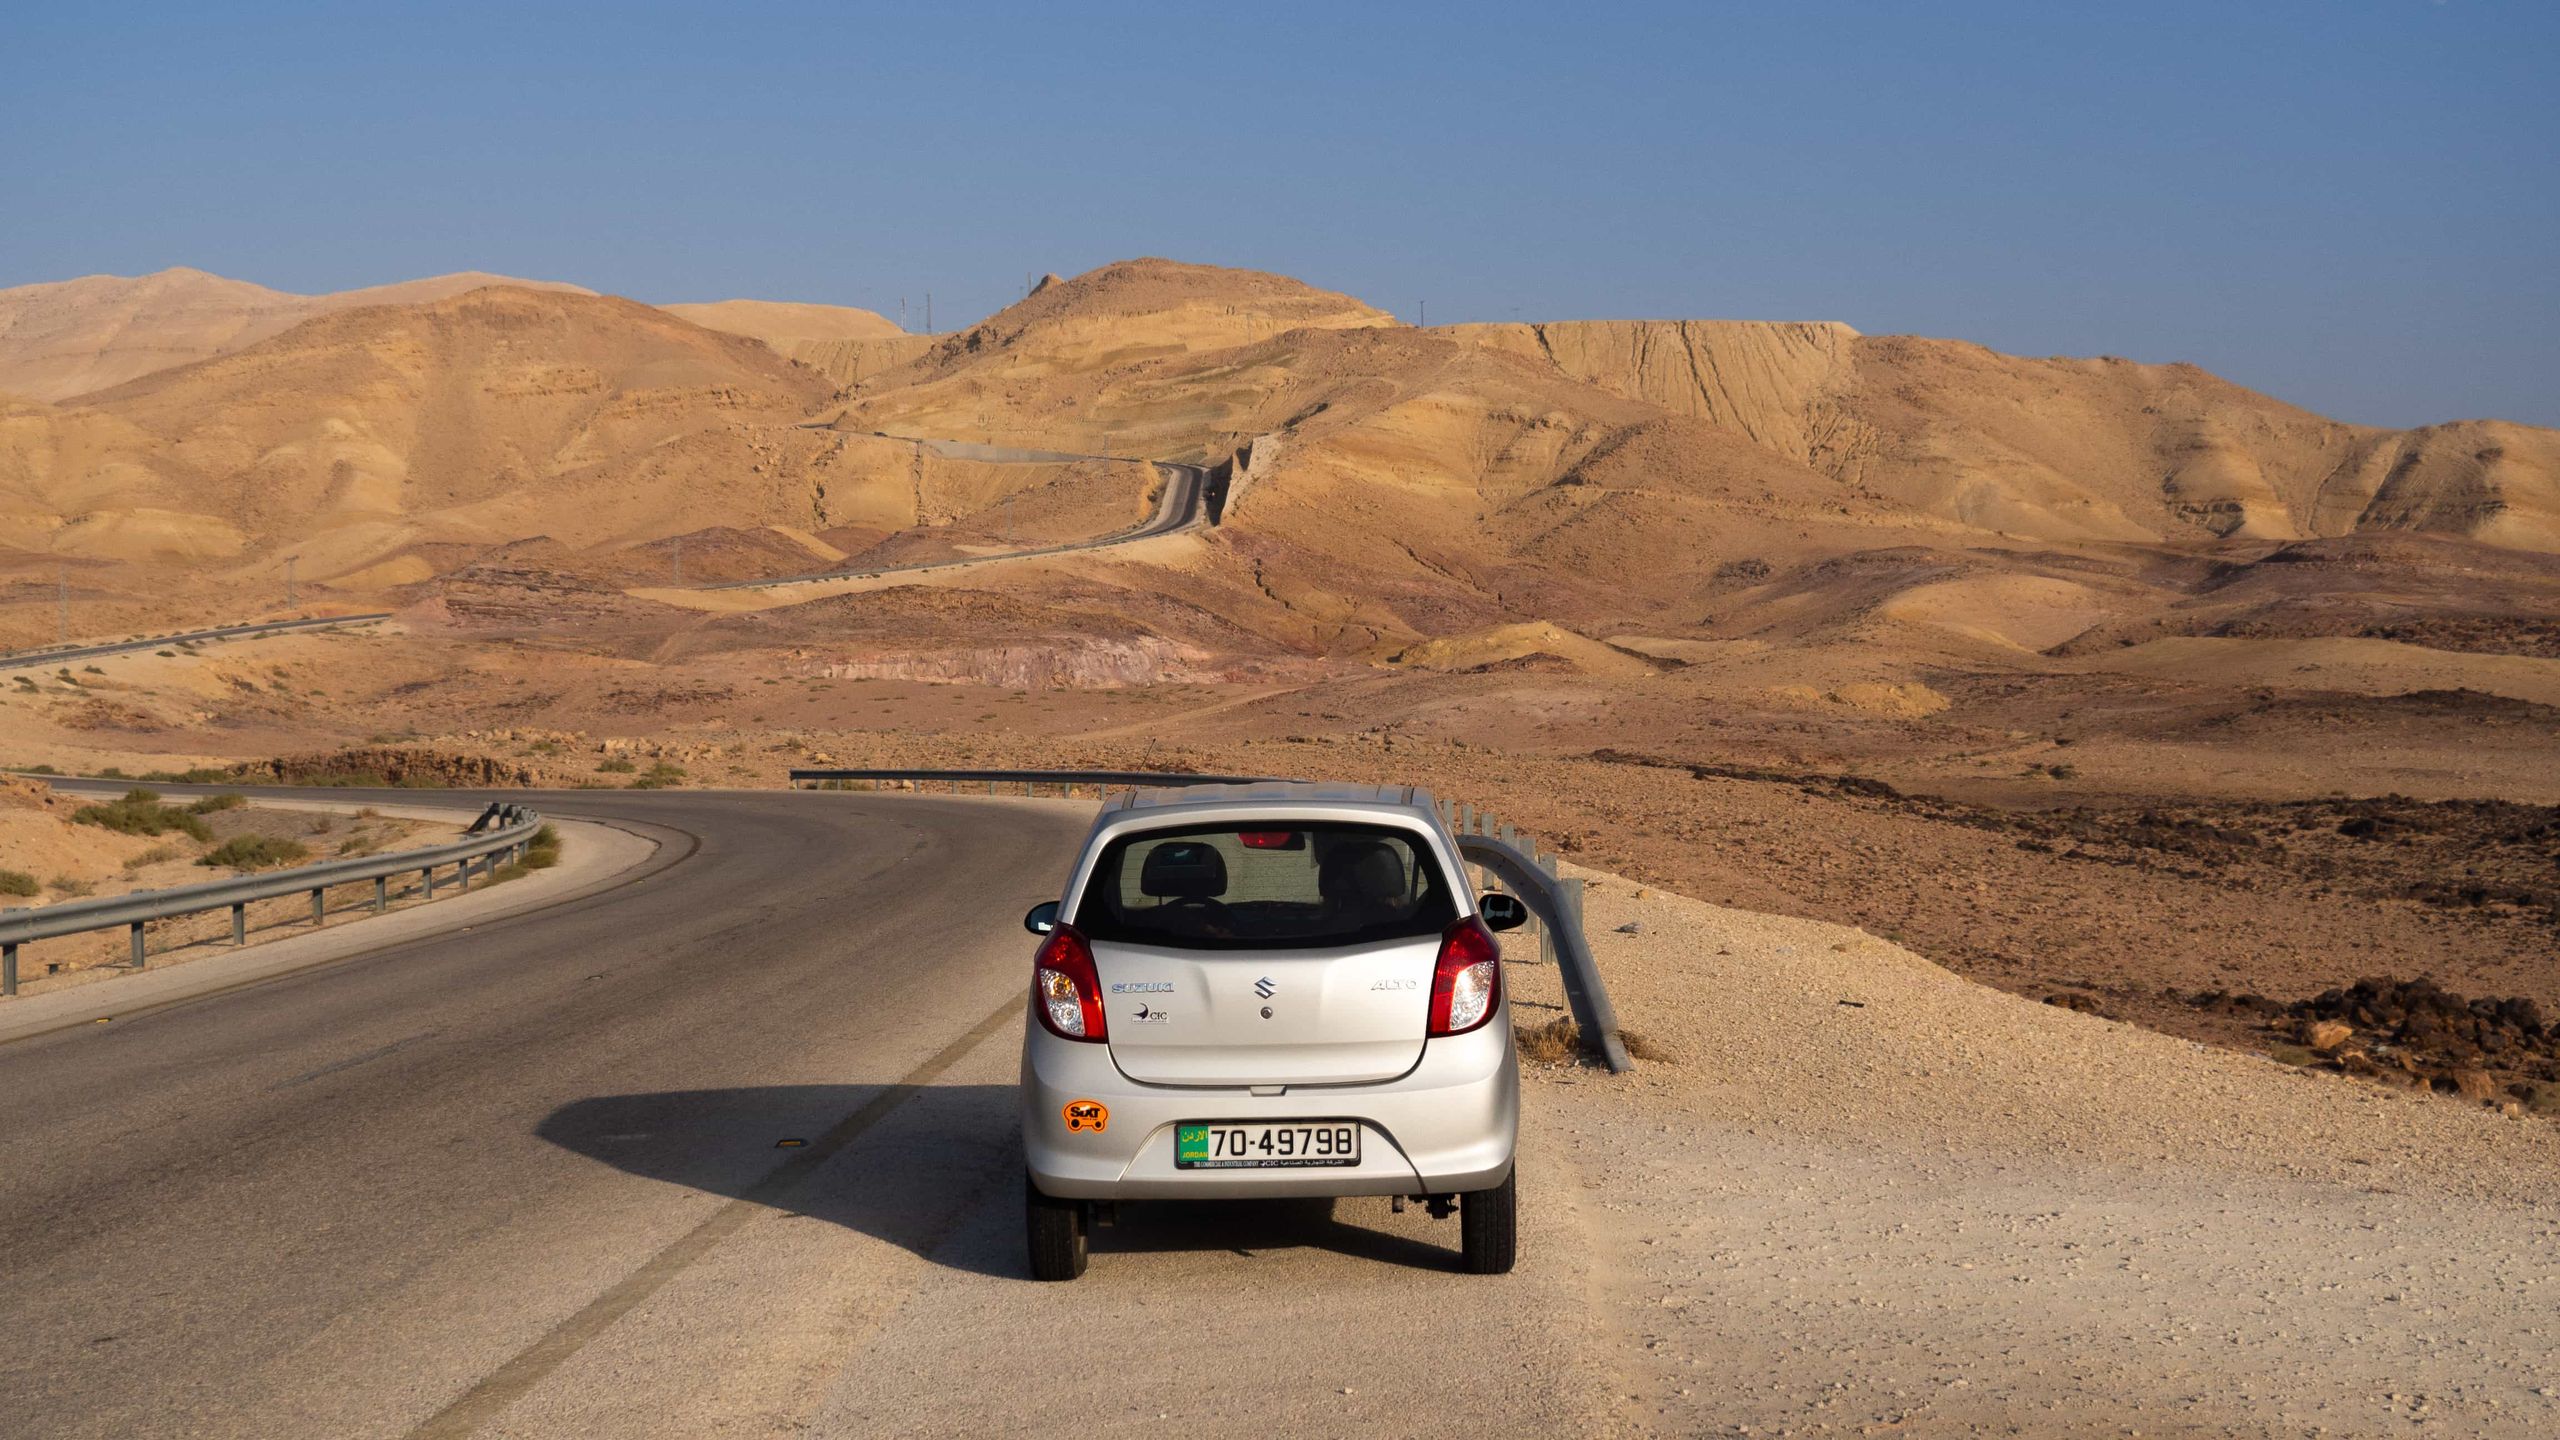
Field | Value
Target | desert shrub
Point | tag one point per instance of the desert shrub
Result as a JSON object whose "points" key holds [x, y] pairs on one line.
{"points": [[543, 851], [69, 886], [141, 813], [615, 766], [91, 670], [152, 856], [228, 800], [659, 777], [18, 882], [42, 770], [255, 852], [1556, 1042], [166, 654], [1643, 1047]]}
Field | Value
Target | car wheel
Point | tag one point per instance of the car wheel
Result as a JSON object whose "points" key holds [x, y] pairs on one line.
{"points": [[1489, 1226], [1056, 1231]]}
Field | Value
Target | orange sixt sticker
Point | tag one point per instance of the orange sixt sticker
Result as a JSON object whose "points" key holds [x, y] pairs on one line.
{"points": [[1090, 1115]]}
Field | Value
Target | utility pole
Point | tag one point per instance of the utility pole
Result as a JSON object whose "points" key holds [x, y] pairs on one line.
{"points": [[288, 580], [928, 312], [1426, 314], [902, 312], [1008, 520], [62, 599]]}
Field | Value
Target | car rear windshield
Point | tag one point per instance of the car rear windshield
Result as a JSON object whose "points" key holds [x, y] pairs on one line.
{"points": [[1282, 885]]}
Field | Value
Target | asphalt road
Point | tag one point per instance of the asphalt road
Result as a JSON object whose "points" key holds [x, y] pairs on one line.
{"points": [[533, 1179], [28, 659], [1182, 507]]}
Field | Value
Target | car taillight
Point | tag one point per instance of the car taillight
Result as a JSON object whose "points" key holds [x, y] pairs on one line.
{"points": [[1065, 992], [1467, 978]]}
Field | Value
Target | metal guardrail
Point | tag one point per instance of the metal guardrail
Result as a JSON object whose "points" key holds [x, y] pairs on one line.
{"points": [[502, 829], [1499, 849], [33, 659]]}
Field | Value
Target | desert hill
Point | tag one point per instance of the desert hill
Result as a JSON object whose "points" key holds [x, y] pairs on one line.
{"points": [[70, 337], [1133, 315], [487, 416], [2067, 449], [784, 325]]}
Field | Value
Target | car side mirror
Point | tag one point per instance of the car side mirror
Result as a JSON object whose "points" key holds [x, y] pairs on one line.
{"points": [[1501, 912], [1042, 919]]}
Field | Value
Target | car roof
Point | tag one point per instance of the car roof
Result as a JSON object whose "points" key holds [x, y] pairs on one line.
{"points": [[1329, 794]]}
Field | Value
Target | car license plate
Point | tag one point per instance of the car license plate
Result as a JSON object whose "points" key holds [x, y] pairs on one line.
{"points": [[1279, 1144]]}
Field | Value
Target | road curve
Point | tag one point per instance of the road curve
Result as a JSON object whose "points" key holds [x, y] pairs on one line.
{"points": [[533, 1179], [1182, 506]]}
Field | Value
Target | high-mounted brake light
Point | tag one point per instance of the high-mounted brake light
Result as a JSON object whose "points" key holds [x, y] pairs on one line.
{"points": [[1269, 839], [1467, 978], [1066, 993]]}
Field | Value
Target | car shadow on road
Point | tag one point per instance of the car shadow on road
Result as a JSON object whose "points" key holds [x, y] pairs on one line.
{"points": [[909, 1165]]}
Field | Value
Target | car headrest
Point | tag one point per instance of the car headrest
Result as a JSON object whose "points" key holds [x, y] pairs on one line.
{"points": [[1362, 872], [1183, 870]]}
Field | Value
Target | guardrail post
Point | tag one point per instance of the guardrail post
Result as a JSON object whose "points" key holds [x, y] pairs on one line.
{"points": [[381, 893], [462, 873], [319, 907], [138, 949], [429, 876], [9, 968], [240, 922]]}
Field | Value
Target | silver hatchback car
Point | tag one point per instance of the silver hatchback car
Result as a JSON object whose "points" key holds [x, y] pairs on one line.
{"points": [[1269, 990]]}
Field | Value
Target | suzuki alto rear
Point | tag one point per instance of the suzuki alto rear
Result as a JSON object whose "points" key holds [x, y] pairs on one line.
{"points": [[1269, 990]]}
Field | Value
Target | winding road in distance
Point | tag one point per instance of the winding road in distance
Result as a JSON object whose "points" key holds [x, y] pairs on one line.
{"points": [[1182, 506], [27, 658], [534, 1178]]}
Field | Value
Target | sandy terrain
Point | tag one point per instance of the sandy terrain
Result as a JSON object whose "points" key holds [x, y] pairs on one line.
{"points": [[1867, 1197]]}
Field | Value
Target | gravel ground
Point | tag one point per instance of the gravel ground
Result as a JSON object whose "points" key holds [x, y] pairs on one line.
{"points": [[1867, 1196]]}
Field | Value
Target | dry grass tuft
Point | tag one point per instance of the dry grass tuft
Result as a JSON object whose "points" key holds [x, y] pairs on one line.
{"points": [[1557, 1042], [1639, 1047]]}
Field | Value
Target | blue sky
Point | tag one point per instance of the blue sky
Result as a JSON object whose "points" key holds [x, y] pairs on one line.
{"points": [[2354, 206]]}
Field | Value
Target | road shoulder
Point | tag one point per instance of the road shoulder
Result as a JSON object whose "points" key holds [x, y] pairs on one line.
{"points": [[594, 856]]}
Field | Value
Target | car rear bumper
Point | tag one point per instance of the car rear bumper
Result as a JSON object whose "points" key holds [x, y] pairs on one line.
{"points": [[1446, 1126]]}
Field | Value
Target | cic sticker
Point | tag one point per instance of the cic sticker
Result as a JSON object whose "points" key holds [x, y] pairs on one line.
{"points": [[1090, 1115]]}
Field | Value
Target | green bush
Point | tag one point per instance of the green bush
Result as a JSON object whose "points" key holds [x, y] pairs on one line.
{"points": [[659, 777], [18, 882], [141, 813], [540, 853], [616, 766], [201, 775], [255, 852], [152, 856]]}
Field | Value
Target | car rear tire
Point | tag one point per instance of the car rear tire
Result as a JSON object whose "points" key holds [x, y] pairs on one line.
{"points": [[1489, 1226], [1056, 1231]]}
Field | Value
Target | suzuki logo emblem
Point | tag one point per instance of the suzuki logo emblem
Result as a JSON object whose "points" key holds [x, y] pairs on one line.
{"points": [[1263, 987]]}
